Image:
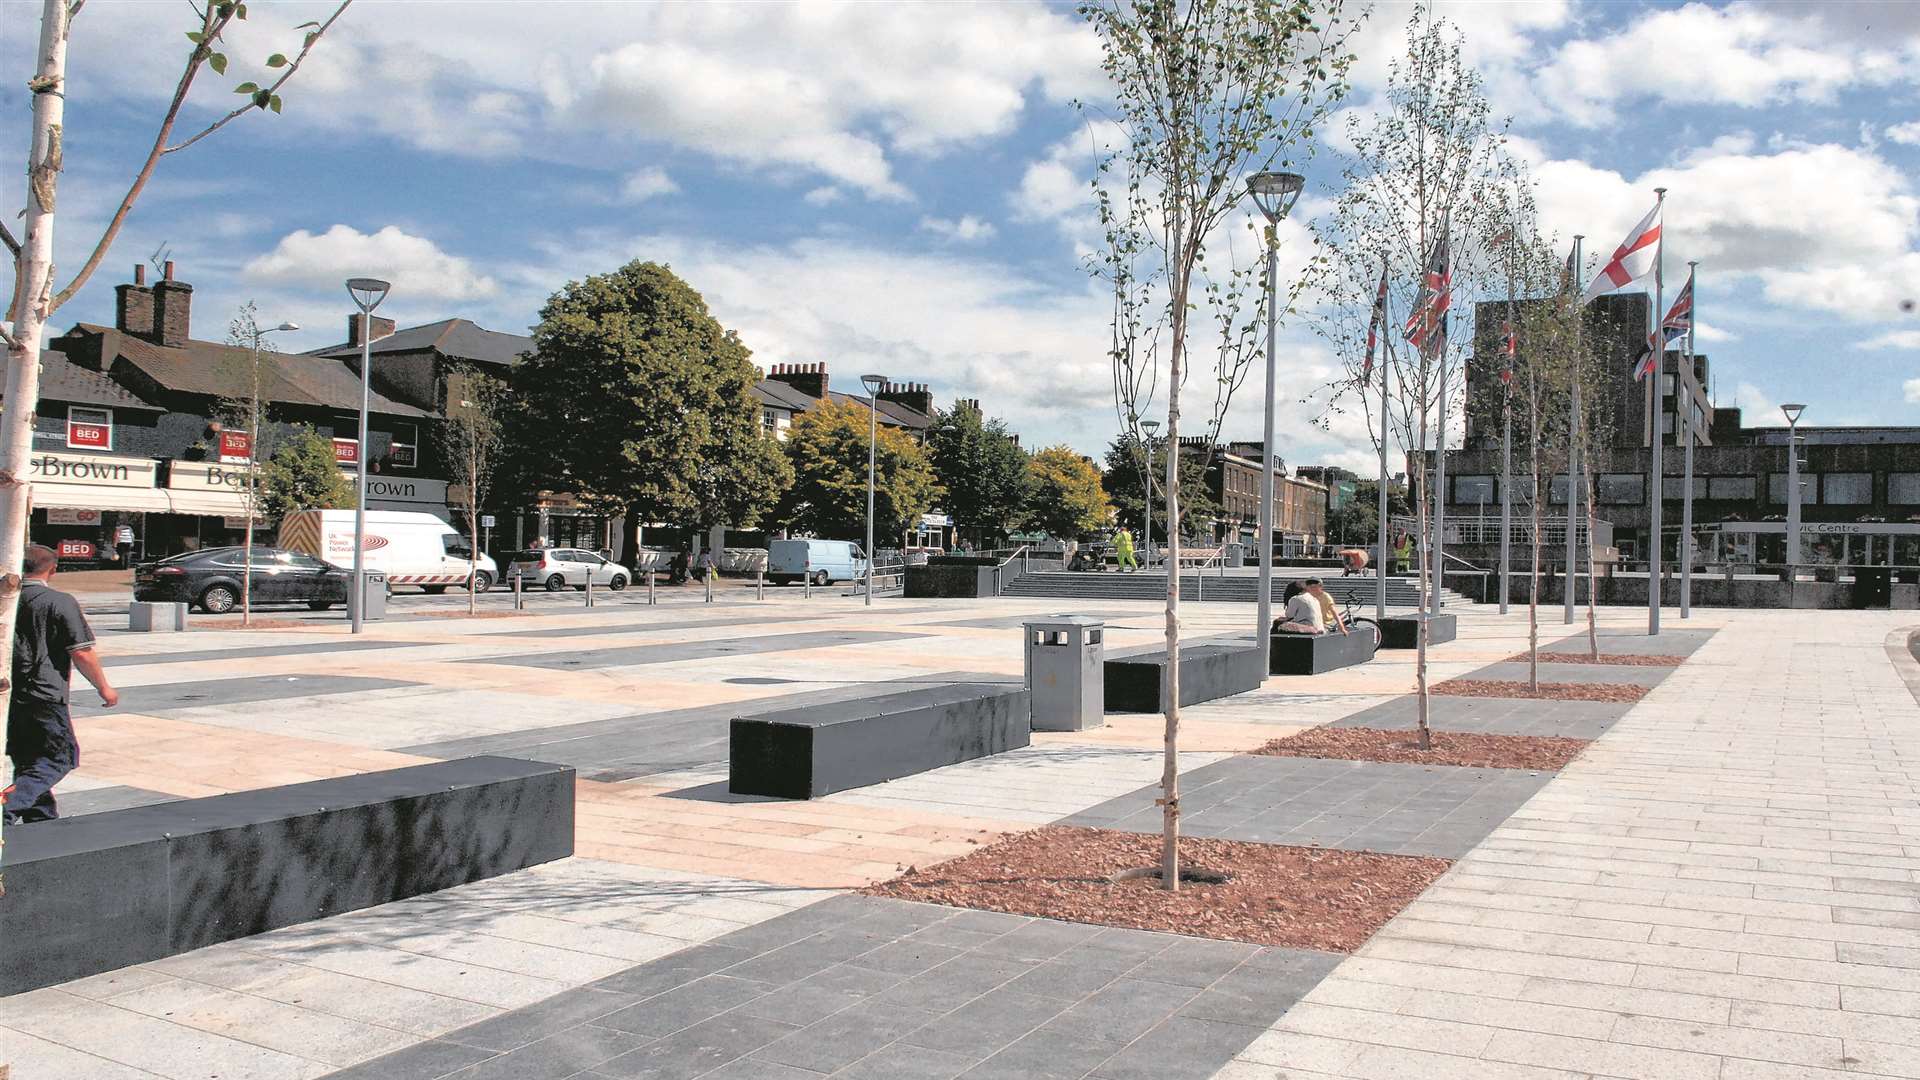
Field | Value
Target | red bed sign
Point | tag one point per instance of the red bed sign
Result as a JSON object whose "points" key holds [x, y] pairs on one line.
{"points": [[76, 549], [346, 451], [236, 447]]}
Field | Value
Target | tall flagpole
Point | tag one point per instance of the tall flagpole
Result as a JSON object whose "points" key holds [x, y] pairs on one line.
{"points": [[1574, 487], [1506, 442], [1440, 473], [1386, 373], [1654, 417], [1686, 426]]}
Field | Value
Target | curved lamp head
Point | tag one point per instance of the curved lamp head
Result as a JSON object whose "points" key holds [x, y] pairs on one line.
{"points": [[1151, 426], [1792, 412], [367, 292], [874, 384], [1275, 193], [285, 326]]}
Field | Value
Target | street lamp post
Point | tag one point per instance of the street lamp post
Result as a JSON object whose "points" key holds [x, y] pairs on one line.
{"points": [[1146, 536], [1792, 413], [1274, 193], [874, 384], [367, 294], [253, 459]]}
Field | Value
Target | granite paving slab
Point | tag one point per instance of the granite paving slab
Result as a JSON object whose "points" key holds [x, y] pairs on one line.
{"points": [[863, 987], [113, 659], [1618, 674], [1015, 622], [1494, 716], [1354, 805], [1618, 640], [161, 697], [731, 618], [112, 797], [676, 651]]}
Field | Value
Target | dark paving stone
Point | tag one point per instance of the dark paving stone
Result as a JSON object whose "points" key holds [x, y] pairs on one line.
{"points": [[1575, 673], [749, 1069], [422, 1061], [161, 697], [1043, 1055], [116, 660], [1122, 1011], [810, 956], [909, 956], [735, 619], [901, 1061], [987, 1023], [1067, 979], [1179, 1046], [1616, 640], [1041, 939], [954, 983], [1197, 962], [802, 1003], [840, 1040], [1334, 804], [1496, 716], [539, 1020], [115, 797], [1263, 987], [698, 1050], [677, 651], [685, 1006], [678, 969], [555, 1057]]}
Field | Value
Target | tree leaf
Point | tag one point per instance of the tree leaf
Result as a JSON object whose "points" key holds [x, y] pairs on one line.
{"points": [[274, 104], [246, 88], [195, 36], [218, 62], [277, 60], [261, 98]]}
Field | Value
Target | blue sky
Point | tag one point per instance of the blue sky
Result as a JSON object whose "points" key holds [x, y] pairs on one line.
{"points": [[902, 188]]}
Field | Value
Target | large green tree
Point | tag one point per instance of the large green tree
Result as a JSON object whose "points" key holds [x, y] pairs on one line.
{"points": [[636, 400], [303, 474], [1065, 497], [1357, 522], [1127, 489], [827, 447], [982, 468]]}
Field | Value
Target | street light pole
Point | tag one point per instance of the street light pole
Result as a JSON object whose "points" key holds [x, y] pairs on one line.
{"points": [[1792, 413], [367, 294], [1146, 537], [1274, 193], [874, 384]]}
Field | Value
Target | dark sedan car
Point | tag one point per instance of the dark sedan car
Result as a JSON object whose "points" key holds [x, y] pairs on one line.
{"points": [[210, 579]]}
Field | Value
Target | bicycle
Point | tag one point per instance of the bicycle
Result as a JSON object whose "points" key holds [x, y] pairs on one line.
{"points": [[1361, 623]]}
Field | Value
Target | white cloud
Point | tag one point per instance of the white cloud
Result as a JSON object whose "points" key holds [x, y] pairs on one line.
{"points": [[415, 265], [1912, 389], [1708, 334], [966, 230], [1757, 407], [650, 182], [823, 196], [1907, 134], [1908, 340]]}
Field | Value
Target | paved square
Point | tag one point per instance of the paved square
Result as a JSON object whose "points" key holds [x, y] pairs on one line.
{"points": [[1356, 805], [1495, 716]]}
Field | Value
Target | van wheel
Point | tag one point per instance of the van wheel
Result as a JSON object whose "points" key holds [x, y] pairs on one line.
{"points": [[481, 581], [618, 583], [820, 578], [556, 583], [218, 600], [433, 590]]}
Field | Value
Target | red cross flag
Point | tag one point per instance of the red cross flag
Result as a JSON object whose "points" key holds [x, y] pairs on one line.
{"points": [[1632, 260]]}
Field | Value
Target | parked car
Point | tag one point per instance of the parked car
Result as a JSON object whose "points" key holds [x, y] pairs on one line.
{"points": [[210, 579], [557, 568], [823, 561], [411, 547]]}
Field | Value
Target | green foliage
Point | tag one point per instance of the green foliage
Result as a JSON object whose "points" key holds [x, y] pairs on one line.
{"points": [[1066, 498], [1357, 521], [828, 448], [303, 475], [635, 399], [1128, 492], [472, 432], [982, 468]]}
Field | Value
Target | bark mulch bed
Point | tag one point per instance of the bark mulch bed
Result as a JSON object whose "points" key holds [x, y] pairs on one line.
{"points": [[1298, 897], [257, 624], [463, 613], [1472, 750], [1615, 659], [1549, 691]]}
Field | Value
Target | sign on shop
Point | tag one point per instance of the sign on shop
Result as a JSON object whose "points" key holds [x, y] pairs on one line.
{"points": [[236, 447], [48, 467], [194, 474], [63, 516], [346, 451], [76, 549]]}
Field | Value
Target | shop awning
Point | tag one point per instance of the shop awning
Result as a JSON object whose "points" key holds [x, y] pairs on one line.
{"points": [[208, 503], [101, 497]]}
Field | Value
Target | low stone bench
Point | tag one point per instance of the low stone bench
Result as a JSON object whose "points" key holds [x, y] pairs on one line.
{"points": [[101, 891], [816, 750], [1403, 631], [1206, 672], [1312, 654]]}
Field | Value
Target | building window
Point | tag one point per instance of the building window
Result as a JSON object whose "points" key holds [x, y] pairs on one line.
{"points": [[1846, 488], [770, 420], [1556, 489], [1622, 489], [1731, 487], [404, 451], [1777, 489], [89, 429], [1903, 488], [1472, 490]]}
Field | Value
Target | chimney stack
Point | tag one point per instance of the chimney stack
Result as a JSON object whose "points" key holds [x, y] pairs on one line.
{"points": [[133, 305], [381, 328], [914, 396], [172, 310], [809, 379]]}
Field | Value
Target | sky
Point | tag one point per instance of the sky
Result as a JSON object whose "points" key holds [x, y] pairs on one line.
{"points": [[904, 188]]}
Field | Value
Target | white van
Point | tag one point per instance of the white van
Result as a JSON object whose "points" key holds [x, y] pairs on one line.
{"points": [[822, 560], [412, 548]]}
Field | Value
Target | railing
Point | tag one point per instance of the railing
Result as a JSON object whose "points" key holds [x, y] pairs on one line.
{"points": [[887, 577]]}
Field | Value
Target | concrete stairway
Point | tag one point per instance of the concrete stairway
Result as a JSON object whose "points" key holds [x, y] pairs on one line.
{"points": [[1402, 592]]}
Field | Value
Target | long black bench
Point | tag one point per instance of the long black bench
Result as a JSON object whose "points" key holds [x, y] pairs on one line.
{"points": [[1206, 672], [1403, 631], [815, 750], [1311, 654], [101, 891]]}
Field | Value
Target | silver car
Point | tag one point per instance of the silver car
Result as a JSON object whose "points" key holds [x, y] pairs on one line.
{"points": [[557, 568]]}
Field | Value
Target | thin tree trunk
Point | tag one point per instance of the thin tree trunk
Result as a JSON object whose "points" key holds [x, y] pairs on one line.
{"points": [[1593, 630], [1424, 548], [1533, 587], [30, 309], [1170, 684]]}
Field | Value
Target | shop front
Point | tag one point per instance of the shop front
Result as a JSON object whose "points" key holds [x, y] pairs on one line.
{"points": [[416, 494], [94, 510], [209, 507]]}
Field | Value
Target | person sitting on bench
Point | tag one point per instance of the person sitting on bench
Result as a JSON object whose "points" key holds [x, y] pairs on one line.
{"points": [[1303, 613]]}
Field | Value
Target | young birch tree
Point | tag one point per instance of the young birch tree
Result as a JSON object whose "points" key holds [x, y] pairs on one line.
{"points": [[471, 434], [1204, 93], [248, 410], [1419, 176], [34, 297]]}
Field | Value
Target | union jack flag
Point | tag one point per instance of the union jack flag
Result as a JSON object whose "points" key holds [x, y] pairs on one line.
{"points": [[1427, 326], [1672, 328], [1373, 325], [1510, 348]]}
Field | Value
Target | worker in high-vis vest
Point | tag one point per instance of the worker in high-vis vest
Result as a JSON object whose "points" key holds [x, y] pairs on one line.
{"points": [[1403, 554], [1123, 550]]}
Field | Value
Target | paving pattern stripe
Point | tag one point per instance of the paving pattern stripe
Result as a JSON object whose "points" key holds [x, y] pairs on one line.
{"points": [[113, 658], [678, 651], [159, 698]]}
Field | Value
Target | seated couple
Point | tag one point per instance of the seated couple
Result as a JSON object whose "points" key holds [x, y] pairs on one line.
{"points": [[1309, 610]]}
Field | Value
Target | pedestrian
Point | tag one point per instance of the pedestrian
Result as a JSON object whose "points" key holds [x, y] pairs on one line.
{"points": [[708, 568], [1123, 551], [1301, 614], [1403, 554], [50, 638], [123, 542]]}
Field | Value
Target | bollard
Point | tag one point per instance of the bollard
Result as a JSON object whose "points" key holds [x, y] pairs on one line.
{"points": [[589, 588], [809, 580], [759, 585], [516, 592], [709, 580], [649, 587]]}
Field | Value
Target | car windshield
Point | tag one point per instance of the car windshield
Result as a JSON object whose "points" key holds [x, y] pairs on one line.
{"points": [[234, 551]]}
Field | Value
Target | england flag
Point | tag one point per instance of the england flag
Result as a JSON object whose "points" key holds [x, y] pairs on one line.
{"points": [[1631, 261]]}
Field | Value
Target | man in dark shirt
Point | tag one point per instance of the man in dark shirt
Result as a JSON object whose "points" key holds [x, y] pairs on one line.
{"points": [[50, 638]]}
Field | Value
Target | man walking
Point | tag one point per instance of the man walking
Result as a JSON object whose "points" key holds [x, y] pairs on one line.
{"points": [[50, 638], [1123, 551]]}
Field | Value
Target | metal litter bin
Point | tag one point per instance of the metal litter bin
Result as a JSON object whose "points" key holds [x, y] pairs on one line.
{"points": [[370, 599], [1236, 554], [1066, 672]]}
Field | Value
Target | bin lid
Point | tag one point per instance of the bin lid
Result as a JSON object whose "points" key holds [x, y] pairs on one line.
{"points": [[1056, 622]]}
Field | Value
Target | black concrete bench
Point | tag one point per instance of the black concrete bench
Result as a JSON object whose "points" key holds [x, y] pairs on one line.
{"points": [[101, 891], [816, 750], [1206, 672], [1403, 631], [1311, 654]]}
